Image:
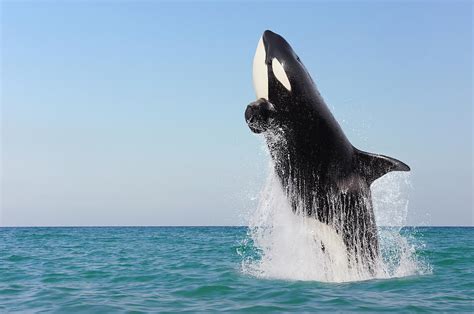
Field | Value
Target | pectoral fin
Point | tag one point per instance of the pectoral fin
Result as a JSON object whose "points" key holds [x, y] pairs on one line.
{"points": [[373, 166]]}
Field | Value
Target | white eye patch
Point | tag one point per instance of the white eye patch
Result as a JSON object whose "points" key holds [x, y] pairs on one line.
{"points": [[280, 74]]}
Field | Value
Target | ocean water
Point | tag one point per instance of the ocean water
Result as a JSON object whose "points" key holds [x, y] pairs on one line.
{"points": [[200, 269]]}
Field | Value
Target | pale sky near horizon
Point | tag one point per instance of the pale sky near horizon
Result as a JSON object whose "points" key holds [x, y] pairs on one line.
{"points": [[131, 113]]}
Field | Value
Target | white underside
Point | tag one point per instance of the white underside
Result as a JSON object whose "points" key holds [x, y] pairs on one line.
{"points": [[260, 73]]}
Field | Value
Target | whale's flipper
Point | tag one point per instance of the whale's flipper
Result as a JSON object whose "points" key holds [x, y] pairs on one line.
{"points": [[373, 166]]}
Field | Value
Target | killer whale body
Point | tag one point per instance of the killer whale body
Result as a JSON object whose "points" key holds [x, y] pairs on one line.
{"points": [[324, 176]]}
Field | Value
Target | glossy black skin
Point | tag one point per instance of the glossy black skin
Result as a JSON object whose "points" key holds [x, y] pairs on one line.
{"points": [[323, 175]]}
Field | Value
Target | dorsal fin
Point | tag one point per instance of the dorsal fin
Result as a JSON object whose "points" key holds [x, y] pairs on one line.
{"points": [[373, 166]]}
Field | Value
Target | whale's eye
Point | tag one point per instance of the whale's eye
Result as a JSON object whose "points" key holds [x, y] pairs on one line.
{"points": [[280, 74]]}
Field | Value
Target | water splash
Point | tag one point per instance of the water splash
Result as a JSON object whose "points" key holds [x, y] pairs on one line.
{"points": [[289, 246], [390, 196]]}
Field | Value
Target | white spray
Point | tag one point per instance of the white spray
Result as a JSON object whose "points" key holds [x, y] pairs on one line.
{"points": [[288, 246]]}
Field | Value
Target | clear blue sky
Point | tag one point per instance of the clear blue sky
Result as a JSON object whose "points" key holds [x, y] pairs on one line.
{"points": [[124, 113]]}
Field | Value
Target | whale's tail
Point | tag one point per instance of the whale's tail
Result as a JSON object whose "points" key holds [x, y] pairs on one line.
{"points": [[373, 166]]}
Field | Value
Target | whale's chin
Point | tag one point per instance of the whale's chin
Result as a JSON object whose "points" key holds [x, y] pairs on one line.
{"points": [[260, 72]]}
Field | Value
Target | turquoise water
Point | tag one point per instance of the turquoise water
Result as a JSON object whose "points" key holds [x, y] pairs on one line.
{"points": [[168, 269]]}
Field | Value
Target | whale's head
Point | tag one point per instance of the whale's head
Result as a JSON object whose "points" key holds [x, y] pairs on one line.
{"points": [[280, 80]]}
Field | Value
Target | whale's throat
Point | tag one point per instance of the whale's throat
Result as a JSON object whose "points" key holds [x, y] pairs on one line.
{"points": [[260, 71]]}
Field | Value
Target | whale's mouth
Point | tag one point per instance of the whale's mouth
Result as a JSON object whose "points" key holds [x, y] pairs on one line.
{"points": [[260, 71]]}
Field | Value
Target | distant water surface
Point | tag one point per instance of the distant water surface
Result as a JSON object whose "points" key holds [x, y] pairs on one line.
{"points": [[150, 269]]}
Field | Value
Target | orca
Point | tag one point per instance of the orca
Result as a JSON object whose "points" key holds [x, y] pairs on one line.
{"points": [[323, 175]]}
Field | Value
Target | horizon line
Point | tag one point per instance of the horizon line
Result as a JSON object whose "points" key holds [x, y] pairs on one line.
{"points": [[200, 226]]}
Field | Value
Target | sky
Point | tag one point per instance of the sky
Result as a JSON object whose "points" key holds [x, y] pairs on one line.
{"points": [[132, 113]]}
